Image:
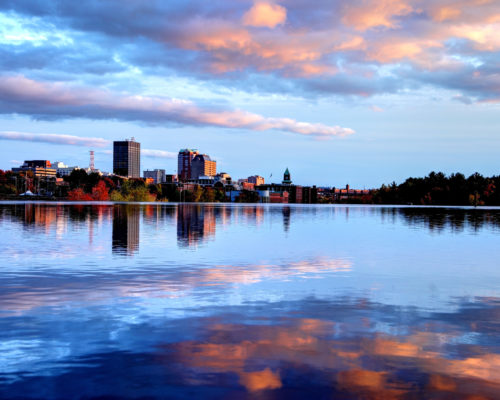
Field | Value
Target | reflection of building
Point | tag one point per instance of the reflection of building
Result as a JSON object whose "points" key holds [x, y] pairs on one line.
{"points": [[127, 158], [158, 175], [202, 165], [126, 220], [184, 160], [286, 218], [194, 224]]}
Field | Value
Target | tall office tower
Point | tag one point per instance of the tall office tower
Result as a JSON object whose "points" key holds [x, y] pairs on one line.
{"points": [[184, 160], [127, 158], [202, 165]]}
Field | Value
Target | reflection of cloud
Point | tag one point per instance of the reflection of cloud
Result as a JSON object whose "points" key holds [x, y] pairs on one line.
{"points": [[260, 380], [166, 285], [338, 349], [256, 273], [366, 366]]}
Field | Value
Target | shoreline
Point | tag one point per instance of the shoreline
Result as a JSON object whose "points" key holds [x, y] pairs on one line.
{"points": [[111, 203]]}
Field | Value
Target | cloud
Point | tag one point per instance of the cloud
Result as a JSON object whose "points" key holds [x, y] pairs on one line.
{"points": [[223, 43], [54, 139], [366, 14], [158, 153], [264, 14], [53, 101], [71, 140]]}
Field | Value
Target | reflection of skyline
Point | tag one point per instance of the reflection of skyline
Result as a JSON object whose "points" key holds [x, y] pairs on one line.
{"points": [[126, 228], [197, 223]]}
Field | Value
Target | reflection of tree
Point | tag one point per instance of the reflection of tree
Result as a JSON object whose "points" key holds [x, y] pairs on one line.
{"points": [[46, 215], [438, 219], [126, 222], [194, 223]]}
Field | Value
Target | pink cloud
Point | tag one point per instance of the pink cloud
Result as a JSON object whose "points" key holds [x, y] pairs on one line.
{"points": [[21, 95], [264, 14], [366, 14], [54, 138]]}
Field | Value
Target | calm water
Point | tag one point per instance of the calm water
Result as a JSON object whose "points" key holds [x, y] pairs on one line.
{"points": [[224, 302]]}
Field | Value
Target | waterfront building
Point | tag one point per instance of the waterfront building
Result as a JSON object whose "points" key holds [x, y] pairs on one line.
{"points": [[277, 197], [203, 165], [63, 169], [184, 160], [348, 193], [203, 180], [256, 179], [39, 168], [158, 175], [171, 178], [127, 158], [224, 178]]}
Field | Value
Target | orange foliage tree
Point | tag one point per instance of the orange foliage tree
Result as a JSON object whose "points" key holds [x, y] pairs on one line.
{"points": [[100, 192], [79, 195]]}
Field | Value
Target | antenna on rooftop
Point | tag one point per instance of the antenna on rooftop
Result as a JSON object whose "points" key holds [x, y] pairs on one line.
{"points": [[91, 165]]}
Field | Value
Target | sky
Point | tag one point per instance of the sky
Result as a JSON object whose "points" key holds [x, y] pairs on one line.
{"points": [[363, 92]]}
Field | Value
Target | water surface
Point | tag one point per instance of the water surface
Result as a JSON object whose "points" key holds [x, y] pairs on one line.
{"points": [[227, 301]]}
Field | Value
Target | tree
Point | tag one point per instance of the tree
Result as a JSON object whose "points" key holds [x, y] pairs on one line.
{"points": [[79, 195], [100, 192]]}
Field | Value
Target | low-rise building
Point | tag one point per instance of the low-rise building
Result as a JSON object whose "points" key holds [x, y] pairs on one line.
{"points": [[158, 175], [224, 178], [39, 168], [63, 169]]}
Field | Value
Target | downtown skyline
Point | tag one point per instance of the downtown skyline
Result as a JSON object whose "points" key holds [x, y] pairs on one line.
{"points": [[360, 92]]}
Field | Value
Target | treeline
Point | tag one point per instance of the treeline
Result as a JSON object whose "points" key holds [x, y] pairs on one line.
{"points": [[439, 189], [88, 187]]}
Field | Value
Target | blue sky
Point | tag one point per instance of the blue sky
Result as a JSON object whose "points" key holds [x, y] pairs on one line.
{"points": [[361, 92]]}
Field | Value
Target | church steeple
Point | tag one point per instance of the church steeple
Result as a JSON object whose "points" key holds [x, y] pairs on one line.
{"points": [[287, 178]]}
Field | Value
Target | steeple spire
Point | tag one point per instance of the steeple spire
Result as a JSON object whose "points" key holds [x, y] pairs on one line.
{"points": [[287, 177]]}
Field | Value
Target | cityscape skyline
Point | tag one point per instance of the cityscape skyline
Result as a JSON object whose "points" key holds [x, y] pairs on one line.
{"points": [[360, 92]]}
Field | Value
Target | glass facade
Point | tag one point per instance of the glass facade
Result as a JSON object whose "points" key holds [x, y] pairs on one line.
{"points": [[127, 158]]}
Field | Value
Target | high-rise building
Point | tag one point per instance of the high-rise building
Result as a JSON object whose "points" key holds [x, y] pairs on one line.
{"points": [[202, 165], [127, 158], [256, 179], [184, 160]]}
